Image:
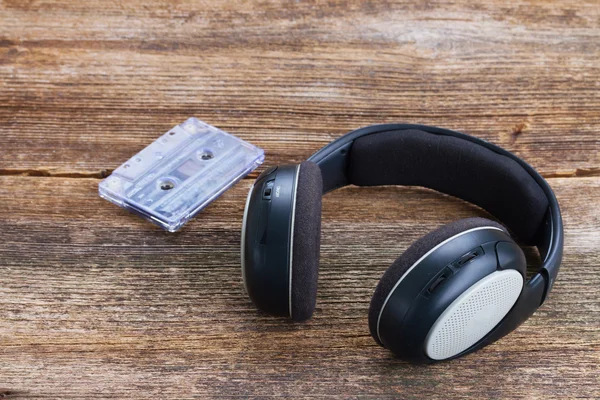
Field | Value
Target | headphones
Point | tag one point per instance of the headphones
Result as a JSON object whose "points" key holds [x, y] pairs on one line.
{"points": [[455, 290]]}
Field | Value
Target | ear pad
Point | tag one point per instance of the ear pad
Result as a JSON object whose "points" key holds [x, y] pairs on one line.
{"points": [[306, 241], [411, 256]]}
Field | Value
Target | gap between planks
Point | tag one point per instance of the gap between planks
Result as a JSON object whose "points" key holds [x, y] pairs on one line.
{"points": [[101, 174]]}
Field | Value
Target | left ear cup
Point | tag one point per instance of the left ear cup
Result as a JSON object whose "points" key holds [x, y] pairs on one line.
{"points": [[306, 241], [280, 238]]}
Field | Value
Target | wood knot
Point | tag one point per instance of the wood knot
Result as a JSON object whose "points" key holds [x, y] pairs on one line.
{"points": [[517, 130]]}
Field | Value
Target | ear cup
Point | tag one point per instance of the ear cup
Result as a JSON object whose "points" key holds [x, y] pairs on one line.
{"points": [[306, 241], [417, 250]]}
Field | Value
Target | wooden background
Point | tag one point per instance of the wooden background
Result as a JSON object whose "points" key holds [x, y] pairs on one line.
{"points": [[97, 303]]}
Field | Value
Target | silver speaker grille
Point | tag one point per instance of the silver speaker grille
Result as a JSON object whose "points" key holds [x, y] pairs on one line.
{"points": [[473, 314]]}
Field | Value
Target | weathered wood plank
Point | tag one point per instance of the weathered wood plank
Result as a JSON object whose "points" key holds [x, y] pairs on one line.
{"points": [[83, 87], [96, 302]]}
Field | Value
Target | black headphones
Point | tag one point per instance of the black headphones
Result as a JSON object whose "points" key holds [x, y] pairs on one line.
{"points": [[455, 290]]}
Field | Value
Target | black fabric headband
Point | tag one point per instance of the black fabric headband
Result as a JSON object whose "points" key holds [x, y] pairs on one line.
{"points": [[456, 164]]}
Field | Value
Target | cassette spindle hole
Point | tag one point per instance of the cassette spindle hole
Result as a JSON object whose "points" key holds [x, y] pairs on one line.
{"points": [[206, 155], [167, 185]]}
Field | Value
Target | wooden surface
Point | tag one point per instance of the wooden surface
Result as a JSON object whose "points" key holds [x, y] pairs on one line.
{"points": [[96, 303]]}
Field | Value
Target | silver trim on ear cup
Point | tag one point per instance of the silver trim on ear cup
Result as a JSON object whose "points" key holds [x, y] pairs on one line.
{"points": [[417, 263], [292, 238], [243, 250]]}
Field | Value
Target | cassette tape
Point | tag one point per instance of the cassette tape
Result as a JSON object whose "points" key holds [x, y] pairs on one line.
{"points": [[180, 173]]}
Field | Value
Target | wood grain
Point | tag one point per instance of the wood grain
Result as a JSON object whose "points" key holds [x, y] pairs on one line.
{"points": [[86, 86], [122, 309], [97, 303]]}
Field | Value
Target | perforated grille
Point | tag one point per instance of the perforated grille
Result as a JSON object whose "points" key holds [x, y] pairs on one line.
{"points": [[473, 314]]}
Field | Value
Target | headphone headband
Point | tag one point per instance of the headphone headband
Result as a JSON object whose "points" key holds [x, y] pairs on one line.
{"points": [[340, 167]]}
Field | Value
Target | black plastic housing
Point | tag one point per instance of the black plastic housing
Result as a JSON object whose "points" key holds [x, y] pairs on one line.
{"points": [[266, 239]]}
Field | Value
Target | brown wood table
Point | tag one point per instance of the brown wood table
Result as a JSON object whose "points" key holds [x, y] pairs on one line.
{"points": [[97, 303]]}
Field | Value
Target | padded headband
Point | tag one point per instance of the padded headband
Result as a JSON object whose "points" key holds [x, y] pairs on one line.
{"points": [[456, 164], [455, 167]]}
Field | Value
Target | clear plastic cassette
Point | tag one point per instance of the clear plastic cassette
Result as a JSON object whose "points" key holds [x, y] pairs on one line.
{"points": [[180, 173]]}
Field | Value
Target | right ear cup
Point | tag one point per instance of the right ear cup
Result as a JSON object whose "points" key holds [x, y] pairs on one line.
{"points": [[306, 241], [411, 256]]}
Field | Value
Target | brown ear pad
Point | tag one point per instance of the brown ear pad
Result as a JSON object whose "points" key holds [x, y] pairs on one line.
{"points": [[417, 250], [307, 241]]}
